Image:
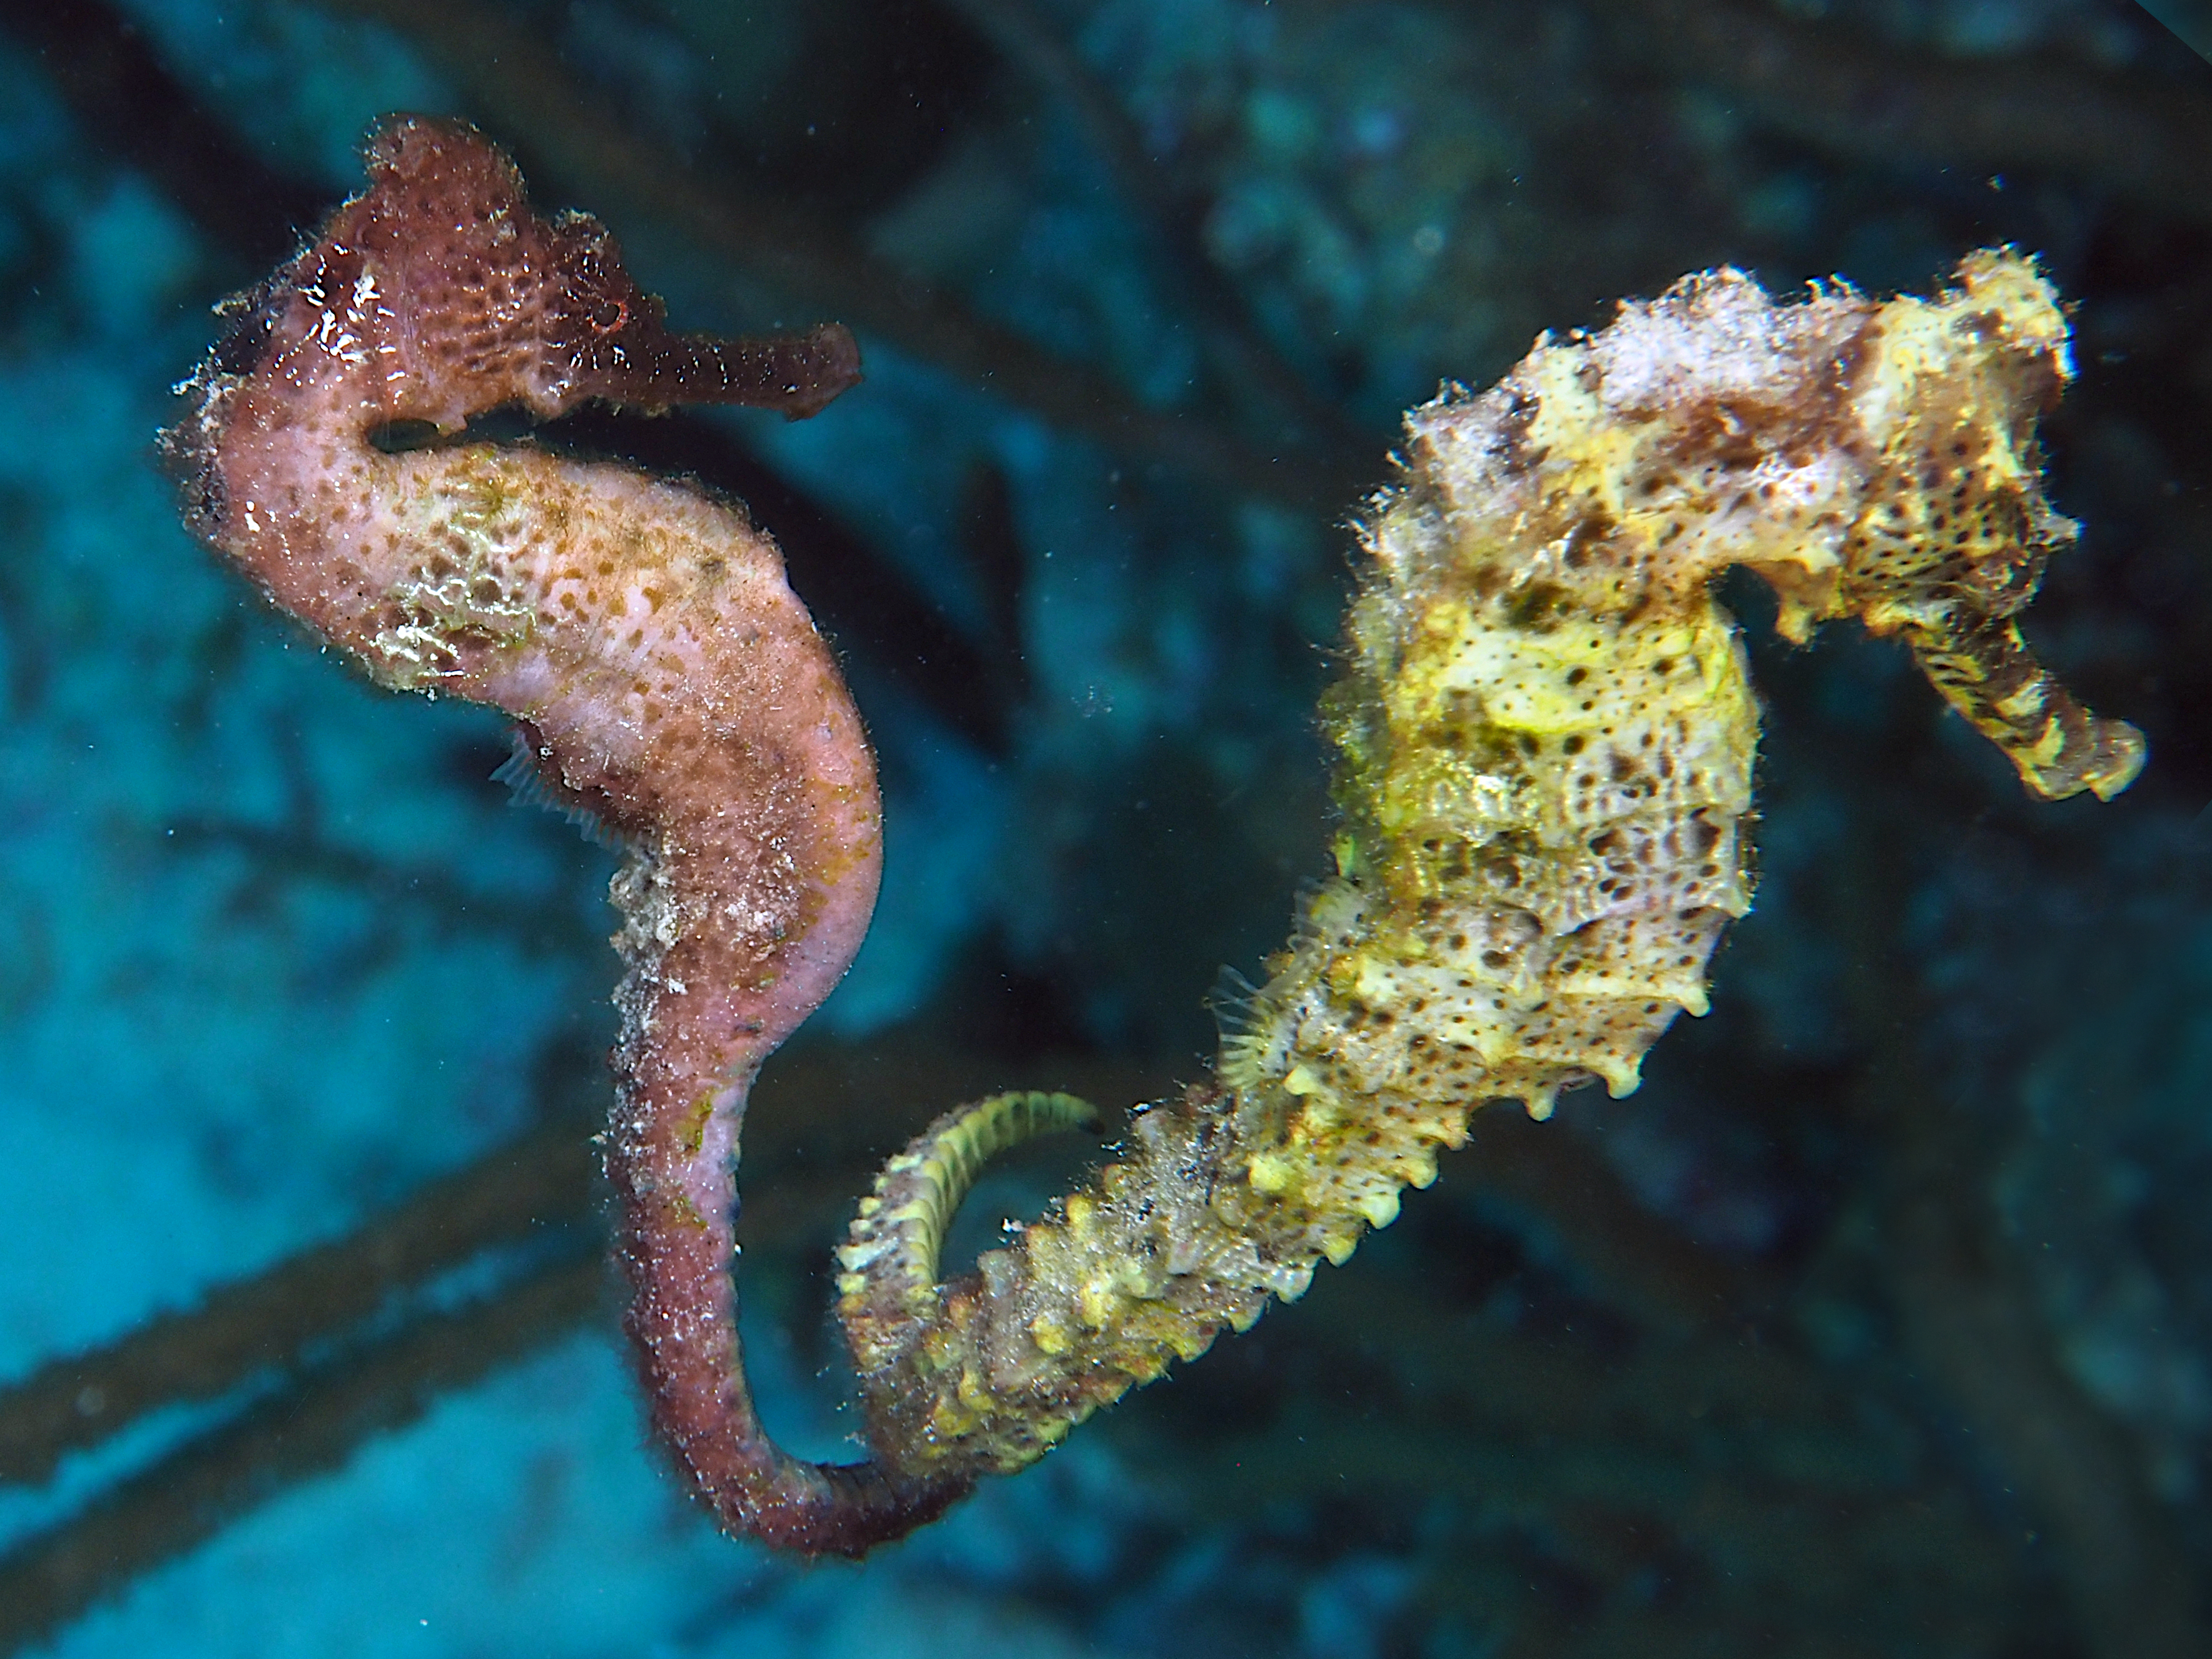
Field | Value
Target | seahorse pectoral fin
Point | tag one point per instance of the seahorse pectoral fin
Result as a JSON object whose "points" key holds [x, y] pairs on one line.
{"points": [[1986, 672]]}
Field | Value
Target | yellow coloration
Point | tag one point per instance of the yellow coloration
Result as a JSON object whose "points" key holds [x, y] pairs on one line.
{"points": [[694, 1128], [1546, 738], [462, 592], [900, 1230]]}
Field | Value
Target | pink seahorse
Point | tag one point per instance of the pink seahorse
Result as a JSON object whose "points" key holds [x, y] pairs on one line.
{"points": [[665, 676]]}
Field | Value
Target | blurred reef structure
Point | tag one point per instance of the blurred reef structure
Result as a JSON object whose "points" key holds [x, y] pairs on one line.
{"points": [[1879, 1323]]}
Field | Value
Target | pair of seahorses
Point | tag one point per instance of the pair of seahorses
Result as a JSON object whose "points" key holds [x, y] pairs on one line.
{"points": [[1546, 737]]}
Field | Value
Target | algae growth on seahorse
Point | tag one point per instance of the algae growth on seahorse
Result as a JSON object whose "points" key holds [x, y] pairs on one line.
{"points": [[1545, 740]]}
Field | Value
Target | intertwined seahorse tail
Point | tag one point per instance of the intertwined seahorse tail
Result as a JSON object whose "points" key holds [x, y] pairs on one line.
{"points": [[1545, 738]]}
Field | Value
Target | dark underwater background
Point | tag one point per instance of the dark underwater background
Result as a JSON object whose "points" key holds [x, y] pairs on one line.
{"points": [[1878, 1323]]}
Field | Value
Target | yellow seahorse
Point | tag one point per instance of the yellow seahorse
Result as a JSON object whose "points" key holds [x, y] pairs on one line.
{"points": [[1546, 743]]}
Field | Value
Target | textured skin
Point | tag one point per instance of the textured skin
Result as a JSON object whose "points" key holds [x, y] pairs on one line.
{"points": [[666, 678], [1545, 736], [1546, 740]]}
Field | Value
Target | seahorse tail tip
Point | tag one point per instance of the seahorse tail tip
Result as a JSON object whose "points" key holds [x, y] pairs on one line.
{"points": [[888, 1292]]}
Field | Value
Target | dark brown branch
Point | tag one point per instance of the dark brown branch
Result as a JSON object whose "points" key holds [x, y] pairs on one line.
{"points": [[826, 1114], [306, 1430], [267, 1321], [2147, 139], [829, 1113], [847, 1108], [1030, 41]]}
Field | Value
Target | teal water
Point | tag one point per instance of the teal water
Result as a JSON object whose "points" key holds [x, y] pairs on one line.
{"points": [[1879, 1323]]}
